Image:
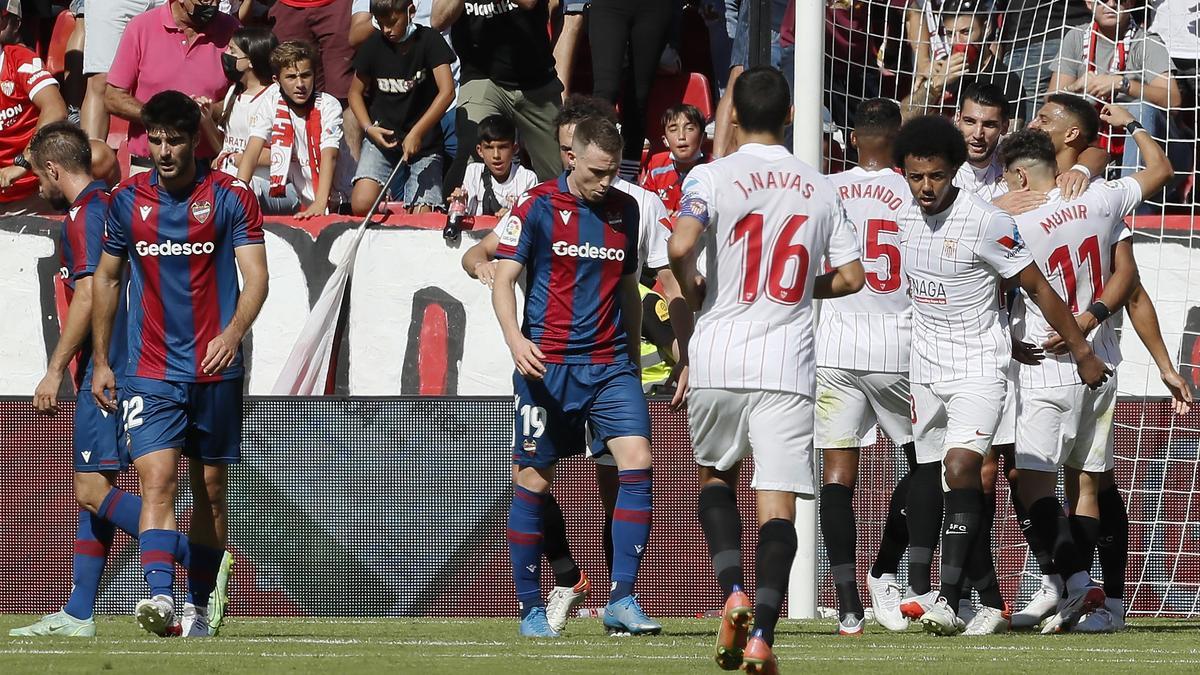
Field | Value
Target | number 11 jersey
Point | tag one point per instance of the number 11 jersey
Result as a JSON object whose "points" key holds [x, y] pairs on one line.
{"points": [[770, 220]]}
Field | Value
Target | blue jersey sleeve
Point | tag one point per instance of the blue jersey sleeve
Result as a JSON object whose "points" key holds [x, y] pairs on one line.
{"points": [[94, 222], [116, 218], [247, 223]]}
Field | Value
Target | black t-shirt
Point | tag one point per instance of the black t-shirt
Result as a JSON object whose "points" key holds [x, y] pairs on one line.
{"points": [[498, 41], [402, 73], [1031, 21]]}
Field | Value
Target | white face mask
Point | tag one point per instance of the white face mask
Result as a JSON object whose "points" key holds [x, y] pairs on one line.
{"points": [[408, 32]]}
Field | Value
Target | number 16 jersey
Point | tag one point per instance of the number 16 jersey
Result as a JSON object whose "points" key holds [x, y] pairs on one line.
{"points": [[770, 220]]}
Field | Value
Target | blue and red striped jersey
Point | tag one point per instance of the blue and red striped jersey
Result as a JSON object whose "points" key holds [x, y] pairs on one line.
{"points": [[183, 286], [574, 255], [82, 243]]}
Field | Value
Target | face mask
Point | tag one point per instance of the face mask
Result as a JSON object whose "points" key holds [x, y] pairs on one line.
{"points": [[229, 65], [201, 15], [408, 32]]}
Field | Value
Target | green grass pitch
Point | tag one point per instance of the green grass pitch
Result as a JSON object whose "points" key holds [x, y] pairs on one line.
{"points": [[491, 646]]}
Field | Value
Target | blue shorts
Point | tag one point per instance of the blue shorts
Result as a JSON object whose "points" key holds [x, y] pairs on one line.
{"points": [[551, 414], [419, 183], [204, 419], [97, 444]]}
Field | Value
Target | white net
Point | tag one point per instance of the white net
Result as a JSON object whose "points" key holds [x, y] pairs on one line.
{"points": [[1146, 61]]}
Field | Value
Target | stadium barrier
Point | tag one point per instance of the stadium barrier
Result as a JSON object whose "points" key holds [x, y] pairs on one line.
{"points": [[397, 507]]}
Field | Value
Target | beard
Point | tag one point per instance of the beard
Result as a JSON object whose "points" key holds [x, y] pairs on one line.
{"points": [[58, 202]]}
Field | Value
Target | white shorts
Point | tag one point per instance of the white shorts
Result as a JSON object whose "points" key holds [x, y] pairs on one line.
{"points": [[958, 414], [851, 402], [106, 21], [1006, 433], [1069, 426], [776, 427]]}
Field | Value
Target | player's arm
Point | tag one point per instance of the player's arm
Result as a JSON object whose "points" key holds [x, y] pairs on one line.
{"points": [[1145, 322], [681, 252], [844, 280], [106, 293], [1158, 168], [252, 264], [1091, 368], [478, 261], [75, 331], [631, 316], [525, 355], [1073, 182]]}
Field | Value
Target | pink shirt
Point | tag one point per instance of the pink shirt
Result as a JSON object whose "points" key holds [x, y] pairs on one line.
{"points": [[154, 56]]}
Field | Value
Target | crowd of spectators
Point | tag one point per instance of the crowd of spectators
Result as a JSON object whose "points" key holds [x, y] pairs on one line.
{"points": [[322, 106]]}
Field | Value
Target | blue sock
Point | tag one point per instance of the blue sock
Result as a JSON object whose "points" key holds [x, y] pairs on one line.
{"points": [[630, 530], [158, 560], [202, 572], [92, 539], [525, 546], [123, 510]]}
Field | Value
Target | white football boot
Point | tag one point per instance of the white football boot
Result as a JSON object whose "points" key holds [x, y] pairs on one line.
{"points": [[1108, 619], [1041, 606], [1078, 602], [914, 606], [564, 599], [940, 619], [194, 622], [885, 600], [157, 615], [988, 621]]}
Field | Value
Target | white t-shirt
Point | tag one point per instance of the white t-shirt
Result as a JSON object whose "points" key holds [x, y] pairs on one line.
{"points": [[771, 221], [248, 112], [871, 329], [987, 182], [954, 262], [1175, 21], [519, 180], [300, 174], [1072, 242], [653, 222]]}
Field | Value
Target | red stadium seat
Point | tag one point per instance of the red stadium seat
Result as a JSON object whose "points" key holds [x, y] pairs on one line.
{"points": [[118, 131], [669, 90], [56, 55]]}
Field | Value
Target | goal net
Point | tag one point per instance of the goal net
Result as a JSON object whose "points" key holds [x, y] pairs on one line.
{"points": [[884, 48]]}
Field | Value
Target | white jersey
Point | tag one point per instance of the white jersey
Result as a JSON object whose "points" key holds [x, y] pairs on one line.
{"points": [[519, 180], [1072, 242], [771, 219], [954, 262], [871, 329], [987, 182], [653, 223]]}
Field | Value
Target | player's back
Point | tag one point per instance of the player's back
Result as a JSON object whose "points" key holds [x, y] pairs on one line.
{"points": [[1072, 243], [871, 329], [772, 220]]}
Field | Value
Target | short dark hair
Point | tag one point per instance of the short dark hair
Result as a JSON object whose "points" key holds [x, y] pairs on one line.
{"points": [[762, 98], [930, 136], [987, 95], [292, 52], [1084, 113], [685, 110], [62, 143], [599, 132], [386, 8], [1028, 144], [578, 108], [171, 110], [877, 117], [497, 128]]}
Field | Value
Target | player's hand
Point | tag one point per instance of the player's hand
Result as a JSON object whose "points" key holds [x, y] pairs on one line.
{"points": [[104, 387], [528, 358], [1056, 345], [317, 208], [381, 136], [485, 272], [1115, 115], [10, 175], [1027, 353], [681, 388], [1092, 370], [1071, 184], [45, 396], [412, 145], [1181, 393], [221, 352], [1020, 201]]}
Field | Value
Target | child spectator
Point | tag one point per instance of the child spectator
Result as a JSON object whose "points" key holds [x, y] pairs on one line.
{"points": [[493, 185], [304, 132], [405, 71], [252, 99], [683, 133]]}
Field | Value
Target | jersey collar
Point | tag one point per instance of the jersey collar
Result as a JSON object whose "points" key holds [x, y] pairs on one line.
{"points": [[87, 192]]}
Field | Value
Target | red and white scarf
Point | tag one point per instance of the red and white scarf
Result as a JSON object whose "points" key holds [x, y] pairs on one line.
{"points": [[1114, 144], [283, 140]]}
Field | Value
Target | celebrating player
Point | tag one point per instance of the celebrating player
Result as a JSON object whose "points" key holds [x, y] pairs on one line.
{"points": [[768, 220], [862, 372], [187, 232], [983, 119], [576, 361], [955, 250]]}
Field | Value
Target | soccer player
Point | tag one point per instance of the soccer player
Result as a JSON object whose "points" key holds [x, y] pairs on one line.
{"points": [[1062, 421], [983, 119], [62, 159], [862, 374], [575, 357], [188, 232], [768, 220], [956, 250]]}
